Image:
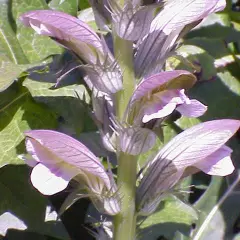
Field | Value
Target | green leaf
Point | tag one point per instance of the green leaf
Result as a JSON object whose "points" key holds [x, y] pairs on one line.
{"points": [[221, 95], [67, 6], [23, 208], [69, 102], [216, 26], [180, 236], [9, 71], [217, 211], [9, 45], [19, 113], [83, 4], [193, 59], [173, 216], [35, 47]]}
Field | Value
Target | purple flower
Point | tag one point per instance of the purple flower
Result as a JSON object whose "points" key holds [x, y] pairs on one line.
{"points": [[159, 95], [69, 31], [172, 22], [102, 71], [57, 158], [198, 148]]}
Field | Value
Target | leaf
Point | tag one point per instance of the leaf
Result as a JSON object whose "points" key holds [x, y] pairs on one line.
{"points": [[25, 209], [224, 103], [193, 58], [83, 4], [67, 6], [9, 71], [19, 113], [217, 211], [35, 47], [216, 26], [172, 217], [222, 97], [69, 102], [9, 45]]}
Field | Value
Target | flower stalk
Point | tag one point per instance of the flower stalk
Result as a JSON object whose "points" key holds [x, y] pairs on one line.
{"points": [[124, 54], [125, 221]]}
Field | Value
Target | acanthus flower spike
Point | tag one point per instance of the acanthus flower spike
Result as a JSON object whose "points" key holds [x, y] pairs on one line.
{"points": [[59, 158], [200, 147]]}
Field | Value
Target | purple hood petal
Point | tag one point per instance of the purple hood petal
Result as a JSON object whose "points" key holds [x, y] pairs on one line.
{"points": [[70, 151], [67, 30]]}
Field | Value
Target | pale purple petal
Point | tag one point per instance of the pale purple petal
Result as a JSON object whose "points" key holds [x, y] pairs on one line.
{"points": [[68, 30], [47, 179], [39, 153], [70, 151], [135, 141], [104, 78], [218, 163], [163, 104], [192, 109], [28, 159], [101, 13], [177, 14], [221, 4], [162, 79], [158, 111], [153, 51], [200, 146], [198, 142], [131, 25], [165, 30]]}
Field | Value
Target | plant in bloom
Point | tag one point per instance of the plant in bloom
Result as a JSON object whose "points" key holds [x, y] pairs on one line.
{"points": [[132, 96]]}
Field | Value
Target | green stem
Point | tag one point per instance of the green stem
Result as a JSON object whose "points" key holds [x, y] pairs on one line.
{"points": [[124, 55], [125, 221], [121, 2]]}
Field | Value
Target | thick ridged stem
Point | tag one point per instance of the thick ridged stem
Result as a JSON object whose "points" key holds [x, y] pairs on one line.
{"points": [[125, 221]]}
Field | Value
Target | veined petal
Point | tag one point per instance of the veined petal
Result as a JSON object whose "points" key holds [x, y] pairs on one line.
{"points": [[51, 179], [136, 140], [131, 24], [39, 153], [153, 51], [166, 28], [180, 13], [218, 163], [67, 30], [70, 151], [106, 79], [195, 147], [178, 79], [102, 15], [193, 109], [198, 142]]}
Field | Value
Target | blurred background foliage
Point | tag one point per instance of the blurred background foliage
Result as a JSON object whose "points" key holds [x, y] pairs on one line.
{"points": [[29, 67]]}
